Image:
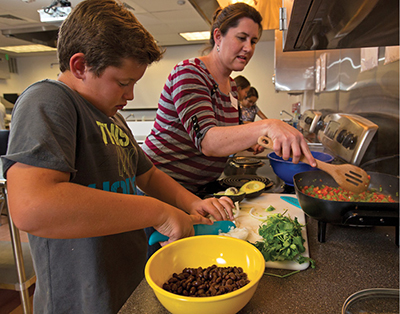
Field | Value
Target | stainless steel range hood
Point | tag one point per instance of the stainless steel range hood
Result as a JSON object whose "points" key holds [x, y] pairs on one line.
{"points": [[44, 35], [337, 24]]}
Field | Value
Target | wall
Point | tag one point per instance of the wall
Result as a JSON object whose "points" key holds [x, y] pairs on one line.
{"points": [[147, 91], [374, 90], [30, 70], [372, 93]]}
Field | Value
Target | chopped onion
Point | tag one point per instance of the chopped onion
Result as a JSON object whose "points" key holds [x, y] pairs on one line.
{"points": [[256, 217], [238, 233]]}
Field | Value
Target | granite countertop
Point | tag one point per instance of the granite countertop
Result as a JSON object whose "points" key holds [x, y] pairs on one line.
{"points": [[351, 259]]}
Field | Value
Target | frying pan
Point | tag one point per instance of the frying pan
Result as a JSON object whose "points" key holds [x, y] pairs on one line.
{"points": [[348, 213]]}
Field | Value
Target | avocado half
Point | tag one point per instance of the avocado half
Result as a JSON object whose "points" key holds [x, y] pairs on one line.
{"points": [[253, 188], [239, 196]]}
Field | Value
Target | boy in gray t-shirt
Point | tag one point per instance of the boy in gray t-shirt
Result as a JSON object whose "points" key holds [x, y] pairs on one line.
{"points": [[72, 168]]}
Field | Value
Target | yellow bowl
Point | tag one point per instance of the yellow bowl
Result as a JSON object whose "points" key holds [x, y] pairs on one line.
{"points": [[205, 251]]}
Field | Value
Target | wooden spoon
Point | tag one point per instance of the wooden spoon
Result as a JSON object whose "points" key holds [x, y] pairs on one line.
{"points": [[348, 176]]}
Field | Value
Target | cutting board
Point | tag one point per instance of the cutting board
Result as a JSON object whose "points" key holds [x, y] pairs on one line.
{"points": [[259, 204]]}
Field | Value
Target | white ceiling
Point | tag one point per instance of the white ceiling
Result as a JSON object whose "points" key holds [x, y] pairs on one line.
{"points": [[164, 19]]}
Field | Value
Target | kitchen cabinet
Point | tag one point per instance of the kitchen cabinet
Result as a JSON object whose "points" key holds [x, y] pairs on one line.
{"points": [[351, 259]]}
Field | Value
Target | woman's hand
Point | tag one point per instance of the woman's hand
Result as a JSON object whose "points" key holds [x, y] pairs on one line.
{"points": [[288, 141], [218, 208]]}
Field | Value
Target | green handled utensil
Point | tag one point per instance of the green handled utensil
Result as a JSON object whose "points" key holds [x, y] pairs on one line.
{"points": [[201, 229]]}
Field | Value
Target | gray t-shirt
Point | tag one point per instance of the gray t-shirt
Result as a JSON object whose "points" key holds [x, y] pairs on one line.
{"points": [[54, 127]]}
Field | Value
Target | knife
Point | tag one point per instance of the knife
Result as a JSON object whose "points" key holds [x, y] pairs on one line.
{"points": [[291, 200], [201, 229]]}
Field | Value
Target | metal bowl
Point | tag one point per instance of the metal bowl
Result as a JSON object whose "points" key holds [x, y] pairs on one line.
{"points": [[376, 300], [242, 165]]}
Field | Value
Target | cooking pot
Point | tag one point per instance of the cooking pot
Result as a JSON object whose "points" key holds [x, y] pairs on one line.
{"points": [[348, 213], [241, 165]]}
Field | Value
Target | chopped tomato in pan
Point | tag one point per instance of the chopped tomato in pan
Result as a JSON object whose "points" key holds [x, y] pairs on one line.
{"points": [[339, 194]]}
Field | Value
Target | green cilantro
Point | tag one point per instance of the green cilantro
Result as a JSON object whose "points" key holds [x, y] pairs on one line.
{"points": [[270, 208], [282, 239]]}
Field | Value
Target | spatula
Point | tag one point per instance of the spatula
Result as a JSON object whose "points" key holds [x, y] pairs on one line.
{"points": [[201, 229], [348, 176]]}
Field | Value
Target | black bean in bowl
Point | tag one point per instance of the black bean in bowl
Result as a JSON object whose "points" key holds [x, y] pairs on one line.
{"points": [[206, 282]]}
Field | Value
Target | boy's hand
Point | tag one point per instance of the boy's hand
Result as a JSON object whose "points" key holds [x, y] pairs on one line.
{"points": [[219, 208], [180, 225]]}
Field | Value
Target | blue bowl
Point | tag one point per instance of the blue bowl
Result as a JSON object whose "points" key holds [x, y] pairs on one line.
{"points": [[285, 169]]}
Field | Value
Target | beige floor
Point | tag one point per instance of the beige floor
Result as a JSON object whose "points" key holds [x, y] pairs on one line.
{"points": [[10, 300], [5, 231]]}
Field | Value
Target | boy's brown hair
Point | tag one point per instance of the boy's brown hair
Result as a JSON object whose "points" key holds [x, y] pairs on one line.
{"points": [[105, 32]]}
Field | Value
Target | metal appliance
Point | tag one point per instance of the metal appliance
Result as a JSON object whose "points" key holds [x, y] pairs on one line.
{"points": [[311, 121], [370, 141], [336, 24], [240, 165], [367, 140], [351, 212], [347, 136], [308, 120]]}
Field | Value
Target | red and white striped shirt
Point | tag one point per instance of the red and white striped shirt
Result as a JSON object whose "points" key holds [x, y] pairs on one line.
{"points": [[190, 104]]}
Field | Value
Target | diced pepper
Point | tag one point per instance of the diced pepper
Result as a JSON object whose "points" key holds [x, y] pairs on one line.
{"points": [[340, 194]]}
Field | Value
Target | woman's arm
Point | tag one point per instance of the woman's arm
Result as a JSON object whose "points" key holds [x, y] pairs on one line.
{"points": [[193, 103], [288, 141]]}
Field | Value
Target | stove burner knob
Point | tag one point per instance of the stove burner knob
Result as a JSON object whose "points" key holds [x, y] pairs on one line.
{"points": [[341, 136], [349, 141], [320, 126], [308, 120]]}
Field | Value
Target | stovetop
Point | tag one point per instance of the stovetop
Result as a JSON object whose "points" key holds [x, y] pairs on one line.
{"points": [[264, 174], [274, 184]]}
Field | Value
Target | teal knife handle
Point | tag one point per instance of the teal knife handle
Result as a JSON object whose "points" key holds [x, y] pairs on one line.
{"points": [[292, 200], [156, 237], [200, 229]]}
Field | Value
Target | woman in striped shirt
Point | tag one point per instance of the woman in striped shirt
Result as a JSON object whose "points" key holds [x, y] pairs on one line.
{"points": [[197, 123]]}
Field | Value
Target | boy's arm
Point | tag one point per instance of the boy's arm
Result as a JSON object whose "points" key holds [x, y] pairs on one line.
{"points": [[43, 202]]}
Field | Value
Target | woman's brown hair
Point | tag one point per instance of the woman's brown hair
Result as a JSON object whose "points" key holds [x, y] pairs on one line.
{"points": [[105, 32], [229, 17]]}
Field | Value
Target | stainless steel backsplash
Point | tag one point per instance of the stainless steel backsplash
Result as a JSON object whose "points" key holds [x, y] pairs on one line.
{"points": [[354, 91]]}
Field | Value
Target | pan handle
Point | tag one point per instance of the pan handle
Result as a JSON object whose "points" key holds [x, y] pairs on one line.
{"points": [[371, 218]]}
